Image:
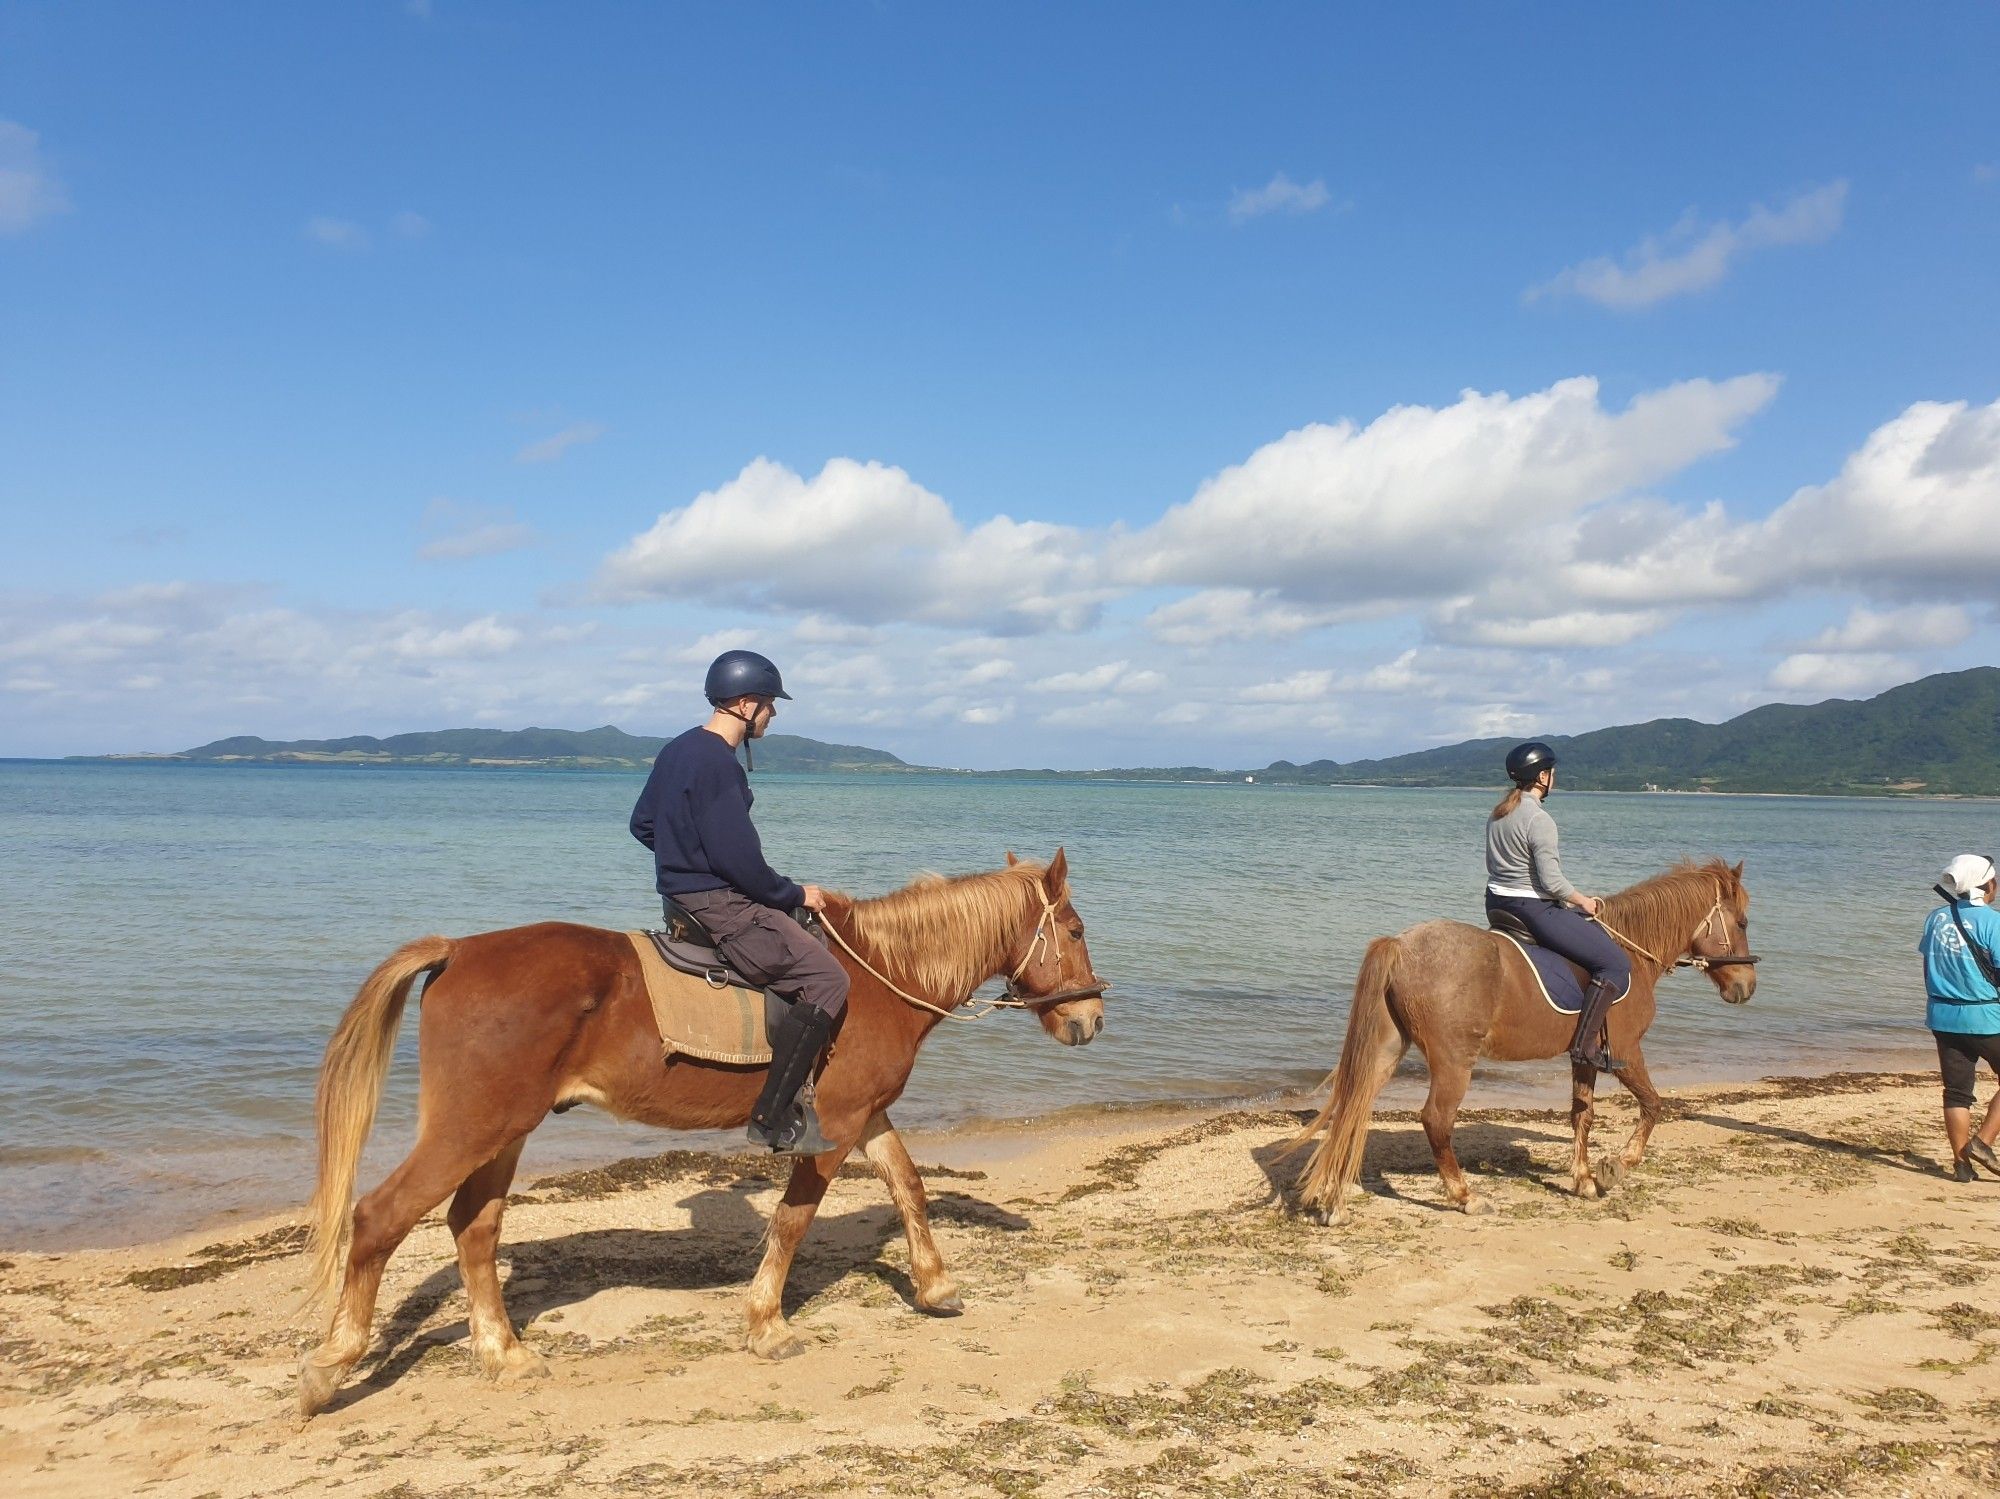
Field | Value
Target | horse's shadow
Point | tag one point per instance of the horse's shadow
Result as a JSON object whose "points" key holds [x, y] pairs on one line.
{"points": [[720, 1247], [1484, 1149]]}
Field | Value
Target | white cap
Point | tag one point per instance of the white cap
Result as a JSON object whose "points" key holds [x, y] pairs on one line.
{"points": [[1968, 874]]}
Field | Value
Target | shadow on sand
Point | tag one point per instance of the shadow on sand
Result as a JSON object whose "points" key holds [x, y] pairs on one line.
{"points": [[1486, 1148], [720, 1247]]}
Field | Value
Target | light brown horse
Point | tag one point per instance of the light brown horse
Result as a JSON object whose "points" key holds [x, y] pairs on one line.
{"points": [[519, 1022], [1459, 992]]}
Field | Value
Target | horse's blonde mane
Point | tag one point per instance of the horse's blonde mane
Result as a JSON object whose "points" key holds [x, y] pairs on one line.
{"points": [[1661, 913], [943, 935]]}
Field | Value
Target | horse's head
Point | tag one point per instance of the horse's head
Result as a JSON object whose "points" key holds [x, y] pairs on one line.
{"points": [[1721, 945], [1050, 968]]}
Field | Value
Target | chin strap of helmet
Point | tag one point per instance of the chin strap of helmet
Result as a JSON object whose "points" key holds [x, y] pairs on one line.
{"points": [[749, 723]]}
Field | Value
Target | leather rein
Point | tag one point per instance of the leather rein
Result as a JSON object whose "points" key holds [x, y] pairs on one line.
{"points": [[1728, 957]]}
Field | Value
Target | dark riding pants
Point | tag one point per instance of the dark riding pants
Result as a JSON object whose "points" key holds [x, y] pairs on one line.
{"points": [[1959, 1057], [767, 947], [1566, 930]]}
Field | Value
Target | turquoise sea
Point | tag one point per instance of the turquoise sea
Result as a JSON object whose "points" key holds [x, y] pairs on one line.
{"points": [[178, 940]]}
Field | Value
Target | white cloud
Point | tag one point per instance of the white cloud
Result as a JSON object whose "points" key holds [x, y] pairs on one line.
{"points": [[1846, 673], [485, 636], [409, 225], [988, 713], [549, 449], [997, 669], [1094, 679], [1215, 615], [861, 542], [336, 234], [1299, 687], [1279, 195], [1693, 256], [1919, 627], [1422, 502], [30, 192], [460, 531]]}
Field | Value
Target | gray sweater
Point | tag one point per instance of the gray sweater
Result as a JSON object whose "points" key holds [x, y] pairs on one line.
{"points": [[1521, 854]]}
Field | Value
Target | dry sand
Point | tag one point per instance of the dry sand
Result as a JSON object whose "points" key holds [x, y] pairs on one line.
{"points": [[1788, 1298]]}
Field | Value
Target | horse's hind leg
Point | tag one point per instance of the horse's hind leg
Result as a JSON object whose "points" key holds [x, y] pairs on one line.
{"points": [[1449, 1080], [884, 1148], [767, 1335], [475, 1224], [382, 1220]]}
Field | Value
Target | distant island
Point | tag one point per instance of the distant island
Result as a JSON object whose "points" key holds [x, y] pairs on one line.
{"points": [[1939, 736]]}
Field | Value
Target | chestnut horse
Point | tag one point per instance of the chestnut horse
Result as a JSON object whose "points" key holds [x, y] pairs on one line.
{"points": [[519, 1022], [1460, 992]]}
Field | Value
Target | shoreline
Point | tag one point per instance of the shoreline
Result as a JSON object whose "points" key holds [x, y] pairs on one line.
{"points": [[1787, 1297]]}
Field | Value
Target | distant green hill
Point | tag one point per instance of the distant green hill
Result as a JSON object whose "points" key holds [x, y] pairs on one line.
{"points": [[1939, 735], [582, 749]]}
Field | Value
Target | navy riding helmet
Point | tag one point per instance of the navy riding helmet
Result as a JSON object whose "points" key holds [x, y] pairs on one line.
{"points": [[735, 674], [1526, 761]]}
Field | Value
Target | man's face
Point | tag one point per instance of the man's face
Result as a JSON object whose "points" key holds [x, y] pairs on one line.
{"points": [[763, 710]]}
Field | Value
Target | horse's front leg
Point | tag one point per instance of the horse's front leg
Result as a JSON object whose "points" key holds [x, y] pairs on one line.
{"points": [[767, 1335], [1583, 1098], [1640, 1084], [884, 1148]]}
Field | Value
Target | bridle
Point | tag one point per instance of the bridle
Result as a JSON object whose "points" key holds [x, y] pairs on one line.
{"points": [[1047, 938], [1716, 914]]}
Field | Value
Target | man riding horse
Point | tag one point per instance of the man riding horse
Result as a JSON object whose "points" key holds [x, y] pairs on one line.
{"points": [[695, 816]]}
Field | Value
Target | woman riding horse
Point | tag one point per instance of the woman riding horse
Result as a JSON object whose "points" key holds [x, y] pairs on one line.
{"points": [[1524, 879]]}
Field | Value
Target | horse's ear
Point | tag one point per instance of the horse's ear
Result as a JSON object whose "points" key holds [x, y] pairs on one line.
{"points": [[1738, 872], [1058, 879], [1011, 860]]}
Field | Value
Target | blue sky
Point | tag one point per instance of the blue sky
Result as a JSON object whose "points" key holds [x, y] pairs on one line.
{"points": [[367, 368]]}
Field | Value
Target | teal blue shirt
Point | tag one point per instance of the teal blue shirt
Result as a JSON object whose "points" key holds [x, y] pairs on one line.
{"points": [[1962, 1002]]}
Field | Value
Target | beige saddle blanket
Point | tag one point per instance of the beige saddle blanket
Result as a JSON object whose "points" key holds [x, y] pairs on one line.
{"points": [[698, 1019]]}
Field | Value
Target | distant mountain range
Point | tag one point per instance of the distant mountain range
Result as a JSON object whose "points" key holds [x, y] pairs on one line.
{"points": [[1937, 736], [574, 749]]}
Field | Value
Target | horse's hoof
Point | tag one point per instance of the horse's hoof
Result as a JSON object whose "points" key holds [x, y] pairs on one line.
{"points": [[317, 1382], [1609, 1175], [1476, 1207], [947, 1306], [783, 1346], [1587, 1190], [519, 1366]]}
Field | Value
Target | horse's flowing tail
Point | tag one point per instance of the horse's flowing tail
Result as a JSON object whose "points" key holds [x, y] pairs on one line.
{"points": [[350, 1088], [1374, 1043]]}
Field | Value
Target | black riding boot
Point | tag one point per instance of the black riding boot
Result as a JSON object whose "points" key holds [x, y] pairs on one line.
{"points": [[1589, 1046], [779, 1121]]}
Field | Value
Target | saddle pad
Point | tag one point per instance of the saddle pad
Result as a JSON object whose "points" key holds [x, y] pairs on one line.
{"points": [[1555, 976], [698, 1019]]}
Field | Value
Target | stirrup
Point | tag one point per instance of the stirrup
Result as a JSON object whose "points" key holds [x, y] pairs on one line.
{"points": [[1601, 1060], [800, 1134]]}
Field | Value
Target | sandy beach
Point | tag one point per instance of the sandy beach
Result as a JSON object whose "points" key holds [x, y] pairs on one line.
{"points": [[1789, 1297]]}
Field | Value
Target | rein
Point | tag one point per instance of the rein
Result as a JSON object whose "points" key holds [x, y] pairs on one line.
{"points": [[1724, 960], [1014, 1000]]}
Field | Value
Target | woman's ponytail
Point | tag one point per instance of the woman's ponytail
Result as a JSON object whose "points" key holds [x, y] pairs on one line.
{"points": [[1507, 804]]}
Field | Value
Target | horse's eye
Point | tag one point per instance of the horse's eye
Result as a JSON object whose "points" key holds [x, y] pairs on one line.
{"points": [[1077, 931]]}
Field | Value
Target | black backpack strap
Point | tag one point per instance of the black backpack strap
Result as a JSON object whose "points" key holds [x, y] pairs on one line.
{"points": [[1984, 961]]}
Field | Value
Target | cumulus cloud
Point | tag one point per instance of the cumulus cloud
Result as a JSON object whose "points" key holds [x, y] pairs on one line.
{"points": [[30, 192], [1919, 627], [1216, 615], [862, 542], [1812, 672], [1279, 195], [552, 447], [1421, 502], [1693, 255]]}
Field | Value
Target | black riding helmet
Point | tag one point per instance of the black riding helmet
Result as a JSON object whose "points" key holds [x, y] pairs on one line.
{"points": [[1526, 761], [735, 674]]}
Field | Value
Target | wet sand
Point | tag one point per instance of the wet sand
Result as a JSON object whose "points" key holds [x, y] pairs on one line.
{"points": [[1789, 1297]]}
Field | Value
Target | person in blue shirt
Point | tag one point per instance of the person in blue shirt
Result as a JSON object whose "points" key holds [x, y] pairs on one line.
{"points": [[1961, 948], [694, 814]]}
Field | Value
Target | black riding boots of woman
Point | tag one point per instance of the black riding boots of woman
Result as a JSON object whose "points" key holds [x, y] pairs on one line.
{"points": [[1591, 1045], [781, 1122]]}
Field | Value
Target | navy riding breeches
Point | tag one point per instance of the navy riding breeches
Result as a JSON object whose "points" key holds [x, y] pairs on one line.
{"points": [[1566, 930]]}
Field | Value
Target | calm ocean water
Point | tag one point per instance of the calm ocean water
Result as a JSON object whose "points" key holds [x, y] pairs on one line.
{"points": [[178, 940]]}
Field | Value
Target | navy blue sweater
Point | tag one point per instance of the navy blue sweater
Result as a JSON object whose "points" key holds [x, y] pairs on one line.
{"points": [[695, 816]]}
